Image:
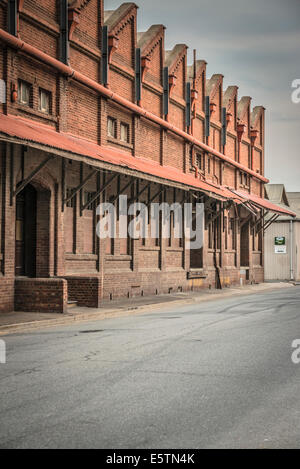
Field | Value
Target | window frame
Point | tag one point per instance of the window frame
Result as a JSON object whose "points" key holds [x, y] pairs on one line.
{"points": [[114, 123], [21, 85], [125, 125], [48, 94]]}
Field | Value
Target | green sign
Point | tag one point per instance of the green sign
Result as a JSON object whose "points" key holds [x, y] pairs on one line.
{"points": [[279, 241]]}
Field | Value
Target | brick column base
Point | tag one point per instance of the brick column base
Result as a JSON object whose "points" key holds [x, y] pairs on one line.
{"points": [[44, 295]]}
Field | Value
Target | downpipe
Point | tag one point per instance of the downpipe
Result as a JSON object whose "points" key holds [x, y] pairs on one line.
{"points": [[292, 276]]}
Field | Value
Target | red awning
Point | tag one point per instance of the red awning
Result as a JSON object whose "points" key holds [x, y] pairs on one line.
{"points": [[263, 203], [26, 131]]}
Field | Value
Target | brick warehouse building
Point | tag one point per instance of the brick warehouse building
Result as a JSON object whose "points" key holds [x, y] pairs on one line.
{"points": [[91, 109]]}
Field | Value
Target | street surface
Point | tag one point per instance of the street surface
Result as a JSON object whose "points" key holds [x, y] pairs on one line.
{"points": [[217, 374]]}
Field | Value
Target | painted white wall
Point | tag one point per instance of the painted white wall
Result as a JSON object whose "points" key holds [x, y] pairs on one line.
{"points": [[277, 266]]}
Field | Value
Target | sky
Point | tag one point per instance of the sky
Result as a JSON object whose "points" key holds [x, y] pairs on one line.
{"points": [[256, 46]]}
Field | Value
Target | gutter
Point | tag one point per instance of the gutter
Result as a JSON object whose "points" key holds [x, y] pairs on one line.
{"points": [[66, 70]]}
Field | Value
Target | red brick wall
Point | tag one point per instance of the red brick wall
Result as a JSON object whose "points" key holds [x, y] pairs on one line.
{"points": [[66, 245], [41, 295], [86, 291]]}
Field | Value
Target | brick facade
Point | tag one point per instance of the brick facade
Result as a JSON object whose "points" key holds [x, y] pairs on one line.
{"points": [[66, 243]]}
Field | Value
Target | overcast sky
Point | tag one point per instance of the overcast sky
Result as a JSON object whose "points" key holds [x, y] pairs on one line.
{"points": [[256, 46]]}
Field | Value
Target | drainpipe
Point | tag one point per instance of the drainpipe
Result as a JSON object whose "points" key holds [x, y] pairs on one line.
{"points": [[291, 250]]}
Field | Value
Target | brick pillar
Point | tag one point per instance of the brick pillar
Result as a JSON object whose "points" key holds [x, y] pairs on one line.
{"points": [[59, 243], [7, 251], [43, 227], [62, 103]]}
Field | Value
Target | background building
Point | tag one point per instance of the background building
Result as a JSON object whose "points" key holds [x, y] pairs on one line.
{"points": [[94, 109], [282, 238]]}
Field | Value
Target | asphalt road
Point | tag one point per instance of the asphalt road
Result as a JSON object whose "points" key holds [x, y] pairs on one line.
{"points": [[213, 375]]}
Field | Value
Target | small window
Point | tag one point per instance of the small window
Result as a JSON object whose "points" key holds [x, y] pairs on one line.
{"points": [[111, 127], [124, 132], [200, 162], [24, 93], [191, 158], [208, 165], [44, 101]]}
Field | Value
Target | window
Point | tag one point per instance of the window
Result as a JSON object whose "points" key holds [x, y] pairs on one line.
{"points": [[24, 93], [200, 162], [191, 158], [244, 180], [124, 132], [44, 101], [111, 127], [208, 165]]}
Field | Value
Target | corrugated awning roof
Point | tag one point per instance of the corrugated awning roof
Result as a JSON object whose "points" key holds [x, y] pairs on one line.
{"points": [[263, 203], [25, 131]]}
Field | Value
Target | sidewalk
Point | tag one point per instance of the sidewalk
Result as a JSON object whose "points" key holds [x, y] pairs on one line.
{"points": [[16, 322]]}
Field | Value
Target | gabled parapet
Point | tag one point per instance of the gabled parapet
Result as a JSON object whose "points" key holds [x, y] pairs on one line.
{"points": [[116, 20], [230, 103], [151, 44], [175, 60], [214, 90], [121, 26], [243, 115], [84, 11], [256, 114], [257, 123]]}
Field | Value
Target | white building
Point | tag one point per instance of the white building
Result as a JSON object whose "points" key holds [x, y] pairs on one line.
{"points": [[282, 237]]}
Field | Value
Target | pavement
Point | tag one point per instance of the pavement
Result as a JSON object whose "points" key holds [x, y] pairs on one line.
{"points": [[18, 321], [215, 373]]}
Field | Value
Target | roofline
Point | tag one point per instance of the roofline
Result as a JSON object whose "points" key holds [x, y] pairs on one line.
{"points": [[19, 44]]}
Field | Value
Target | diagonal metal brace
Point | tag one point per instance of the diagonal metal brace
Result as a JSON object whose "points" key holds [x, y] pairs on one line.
{"points": [[156, 195], [26, 181], [274, 218], [140, 193], [89, 202], [78, 188], [129, 184]]}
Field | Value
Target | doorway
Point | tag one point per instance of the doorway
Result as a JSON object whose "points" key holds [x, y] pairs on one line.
{"points": [[25, 249], [244, 244]]}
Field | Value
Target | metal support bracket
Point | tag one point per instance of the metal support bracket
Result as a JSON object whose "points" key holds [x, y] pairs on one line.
{"points": [[140, 193], [274, 218], [129, 184], [89, 202], [80, 186], [27, 180]]}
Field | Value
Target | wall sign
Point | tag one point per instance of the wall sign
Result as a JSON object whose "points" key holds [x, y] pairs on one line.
{"points": [[279, 241], [280, 249], [279, 245]]}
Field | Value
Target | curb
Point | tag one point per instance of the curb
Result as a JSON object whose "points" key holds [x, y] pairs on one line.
{"points": [[99, 315]]}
